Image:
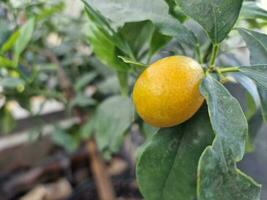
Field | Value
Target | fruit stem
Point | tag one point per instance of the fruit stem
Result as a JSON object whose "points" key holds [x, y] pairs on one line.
{"points": [[215, 50]]}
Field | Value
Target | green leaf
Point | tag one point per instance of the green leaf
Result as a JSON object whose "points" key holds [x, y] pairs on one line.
{"points": [[109, 86], [7, 121], [148, 131], [88, 128], [250, 86], [11, 83], [64, 139], [216, 17], [227, 117], [263, 96], [258, 73], [167, 166], [84, 80], [104, 41], [156, 11], [218, 177], [45, 13], [25, 35], [81, 100], [252, 10], [157, 42], [113, 117], [6, 63], [257, 44], [10, 42], [130, 61], [138, 35]]}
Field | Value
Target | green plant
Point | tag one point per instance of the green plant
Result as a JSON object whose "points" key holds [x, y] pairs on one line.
{"points": [[197, 159]]}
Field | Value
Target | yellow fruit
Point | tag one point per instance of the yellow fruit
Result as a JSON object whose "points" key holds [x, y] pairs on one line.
{"points": [[167, 92]]}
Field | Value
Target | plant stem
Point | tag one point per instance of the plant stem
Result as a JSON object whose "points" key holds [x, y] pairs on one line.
{"points": [[198, 53], [215, 50], [123, 81], [228, 69]]}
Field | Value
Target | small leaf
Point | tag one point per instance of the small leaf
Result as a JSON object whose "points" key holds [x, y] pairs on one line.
{"points": [[10, 42], [88, 128], [45, 13], [25, 35], [113, 117], [167, 164], [130, 61], [11, 83], [252, 10], [216, 17], [64, 139], [6, 63], [81, 100], [138, 35], [249, 85], [7, 121], [84, 80], [157, 42]]}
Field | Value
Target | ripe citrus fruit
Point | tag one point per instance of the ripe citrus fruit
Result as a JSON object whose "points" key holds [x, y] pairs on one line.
{"points": [[167, 92]]}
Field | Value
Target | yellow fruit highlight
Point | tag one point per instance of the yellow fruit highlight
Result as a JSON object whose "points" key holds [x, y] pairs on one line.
{"points": [[167, 92]]}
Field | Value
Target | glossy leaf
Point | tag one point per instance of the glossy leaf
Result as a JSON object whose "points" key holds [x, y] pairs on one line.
{"points": [[156, 11], [216, 17], [252, 10], [167, 164], [113, 117], [218, 177]]}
